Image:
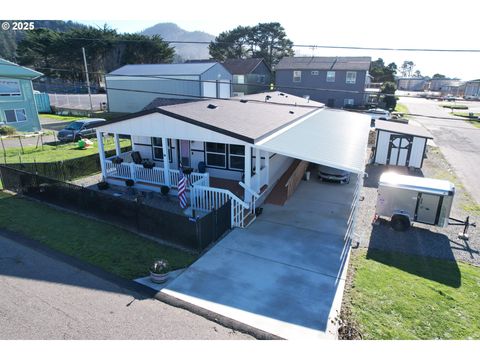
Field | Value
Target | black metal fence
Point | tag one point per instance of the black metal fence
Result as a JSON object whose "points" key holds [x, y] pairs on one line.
{"points": [[195, 234]]}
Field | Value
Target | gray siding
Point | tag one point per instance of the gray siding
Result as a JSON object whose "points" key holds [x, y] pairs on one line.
{"points": [[309, 82], [253, 82]]}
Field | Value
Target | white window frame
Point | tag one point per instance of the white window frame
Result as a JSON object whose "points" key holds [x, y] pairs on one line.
{"points": [[154, 146], [16, 116], [351, 77], [330, 76], [297, 76], [230, 155], [16, 94], [315, 72], [216, 153], [350, 102]]}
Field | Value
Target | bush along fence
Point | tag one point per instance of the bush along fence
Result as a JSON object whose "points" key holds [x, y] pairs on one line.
{"points": [[67, 169], [195, 234]]}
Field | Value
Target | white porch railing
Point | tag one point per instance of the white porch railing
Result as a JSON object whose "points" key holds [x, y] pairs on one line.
{"points": [[154, 176]]}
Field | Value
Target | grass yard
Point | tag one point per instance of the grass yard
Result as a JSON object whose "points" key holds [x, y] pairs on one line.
{"points": [[401, 108], [466, 115], [115, 250], [397, 296], [51, 153], [55, 117]]}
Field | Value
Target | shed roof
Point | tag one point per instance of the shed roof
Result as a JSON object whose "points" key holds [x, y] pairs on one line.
{"points": [[10, 69], [242, 66], [325, 63], [400, 128], [163, 69]]}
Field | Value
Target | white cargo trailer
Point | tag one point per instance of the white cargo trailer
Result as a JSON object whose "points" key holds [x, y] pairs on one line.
{"points": [[406, 199]]}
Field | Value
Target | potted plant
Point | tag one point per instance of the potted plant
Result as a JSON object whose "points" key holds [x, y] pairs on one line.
{"points": [[159, 271], [147, 164], [117, 160], [102, 185], [187, 170], [165, 190]]}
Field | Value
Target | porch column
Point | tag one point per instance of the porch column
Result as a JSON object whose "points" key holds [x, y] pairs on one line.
{"points": [[166, 161], [267, 168], [101, 153], [248, 167], [258, 160], [118, 150]]}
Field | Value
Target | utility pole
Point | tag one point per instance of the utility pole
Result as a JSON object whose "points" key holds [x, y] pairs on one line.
{"points": [[88, 79]]}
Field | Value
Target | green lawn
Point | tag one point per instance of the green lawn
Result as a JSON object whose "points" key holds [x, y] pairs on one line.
{"points": [[396, 296], [52, 153], [115, 250], [60, 117], [401, 108], [466, 115]]}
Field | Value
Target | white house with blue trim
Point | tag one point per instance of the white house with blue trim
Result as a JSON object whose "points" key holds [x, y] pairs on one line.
{"points": [[17, 102]]}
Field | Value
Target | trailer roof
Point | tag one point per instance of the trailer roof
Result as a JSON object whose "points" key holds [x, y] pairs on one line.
{"points": [[436, 186]]}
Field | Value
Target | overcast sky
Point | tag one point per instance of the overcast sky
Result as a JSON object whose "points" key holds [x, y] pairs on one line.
{"points": [[368, 23]]}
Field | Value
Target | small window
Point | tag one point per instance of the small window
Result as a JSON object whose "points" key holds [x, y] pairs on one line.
{"points": [[17, 115], [330, 76], [261, 79], [315, 72], [351, 77], [297, 76], [236, 157], [158, 149], [239, 79], [216, 155], [10, 87], [348, 102]]}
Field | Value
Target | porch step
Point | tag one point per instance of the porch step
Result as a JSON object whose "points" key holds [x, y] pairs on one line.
{"points": [[249, 219]]}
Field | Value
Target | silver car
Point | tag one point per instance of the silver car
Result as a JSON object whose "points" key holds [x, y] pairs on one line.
{"points": [[328, 173], [84, 128]]}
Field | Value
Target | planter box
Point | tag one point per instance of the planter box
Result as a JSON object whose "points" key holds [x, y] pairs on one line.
{"points": [[158, 278]]}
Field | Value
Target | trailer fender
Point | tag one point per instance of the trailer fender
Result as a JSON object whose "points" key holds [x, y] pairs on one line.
{"points": [[400, 222]]}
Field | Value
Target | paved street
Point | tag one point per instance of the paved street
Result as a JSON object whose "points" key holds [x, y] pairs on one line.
{"points": [[458, 140], [43, 298]]}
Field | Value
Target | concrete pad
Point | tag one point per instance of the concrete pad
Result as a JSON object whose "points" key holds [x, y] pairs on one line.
{"points": [[285, 273]]}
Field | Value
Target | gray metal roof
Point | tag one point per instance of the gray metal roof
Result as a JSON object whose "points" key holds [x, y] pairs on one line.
{"points": [[400, 128], [163, 69], [242, 66], [13, 70], [325, 63], [416, 183]]}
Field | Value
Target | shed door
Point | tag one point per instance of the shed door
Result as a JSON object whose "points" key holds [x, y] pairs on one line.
{"points": [[427, 207], [399, 150]]}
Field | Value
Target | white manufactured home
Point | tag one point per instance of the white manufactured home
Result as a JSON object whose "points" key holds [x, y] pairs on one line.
{"points": [[237, 149]]}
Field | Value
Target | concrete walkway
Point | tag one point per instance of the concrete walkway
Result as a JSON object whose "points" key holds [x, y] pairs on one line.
{"points": [[285, 273]]}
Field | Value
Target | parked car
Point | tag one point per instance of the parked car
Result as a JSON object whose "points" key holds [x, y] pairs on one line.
{"points": [[84, 128], [378, 113], [331, 174]]}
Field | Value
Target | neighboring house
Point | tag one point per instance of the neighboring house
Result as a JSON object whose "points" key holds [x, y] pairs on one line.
{"points": [[412, 83], [453, 87], [472, 89], [238, 149], [336, 81], [250, 76], [17, 102], [132, 87]]}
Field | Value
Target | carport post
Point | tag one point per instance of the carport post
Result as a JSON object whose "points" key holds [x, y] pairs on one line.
{"points": [[248, 167], [257, 169], [118, 150], [101, 153], [166, 161]]}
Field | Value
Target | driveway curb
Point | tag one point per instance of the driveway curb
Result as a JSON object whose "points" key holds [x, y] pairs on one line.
{"points": [[136, 287]]}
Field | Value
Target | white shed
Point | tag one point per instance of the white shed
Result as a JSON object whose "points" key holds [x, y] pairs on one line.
{"points": [[400, 144]]}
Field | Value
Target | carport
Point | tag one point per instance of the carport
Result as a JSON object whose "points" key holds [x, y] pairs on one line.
{"points": [[285, 273]]}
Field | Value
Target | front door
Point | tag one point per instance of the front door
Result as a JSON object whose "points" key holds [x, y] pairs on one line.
{"points": [[184, 153], [427, 207], [399, 150]]}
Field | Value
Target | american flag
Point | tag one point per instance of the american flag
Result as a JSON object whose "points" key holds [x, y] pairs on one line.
{"points": [[182, 189]]}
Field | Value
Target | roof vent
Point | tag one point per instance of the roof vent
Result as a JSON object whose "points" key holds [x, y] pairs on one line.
{"points": [[291, 112], [244, 101], [281, 94], [211, 106], [268, 97]]}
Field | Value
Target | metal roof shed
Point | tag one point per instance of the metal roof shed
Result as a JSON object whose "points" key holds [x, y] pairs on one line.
{"points": [[400, 144]]}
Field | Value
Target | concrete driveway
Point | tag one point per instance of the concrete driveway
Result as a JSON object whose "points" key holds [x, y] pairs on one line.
{"points": [[285, 273]]}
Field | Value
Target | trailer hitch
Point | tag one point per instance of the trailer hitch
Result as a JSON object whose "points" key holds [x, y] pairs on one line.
{"points": [[465, 223]]}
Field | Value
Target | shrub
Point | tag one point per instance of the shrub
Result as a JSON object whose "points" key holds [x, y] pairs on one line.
{"points": [[7, 130]]}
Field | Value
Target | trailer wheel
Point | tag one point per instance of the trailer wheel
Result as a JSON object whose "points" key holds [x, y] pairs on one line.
{"points": [[400, 222]]}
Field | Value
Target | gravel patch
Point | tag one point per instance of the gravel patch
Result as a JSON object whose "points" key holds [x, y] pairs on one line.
{"points": [[420, 239]]}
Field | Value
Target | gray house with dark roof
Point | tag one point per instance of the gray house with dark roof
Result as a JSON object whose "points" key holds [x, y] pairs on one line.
{"points": [[335, 81], [250, 76], [132, 87]]}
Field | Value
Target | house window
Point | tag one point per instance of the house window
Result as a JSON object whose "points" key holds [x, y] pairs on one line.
{"points": [[315, 72], [239, 79], [216, 155], [297, 76], [348, 102], [330, 76], [158, 149], [10, 87], [17, 115], [261, 79], [351, 77], [236, 158]]}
